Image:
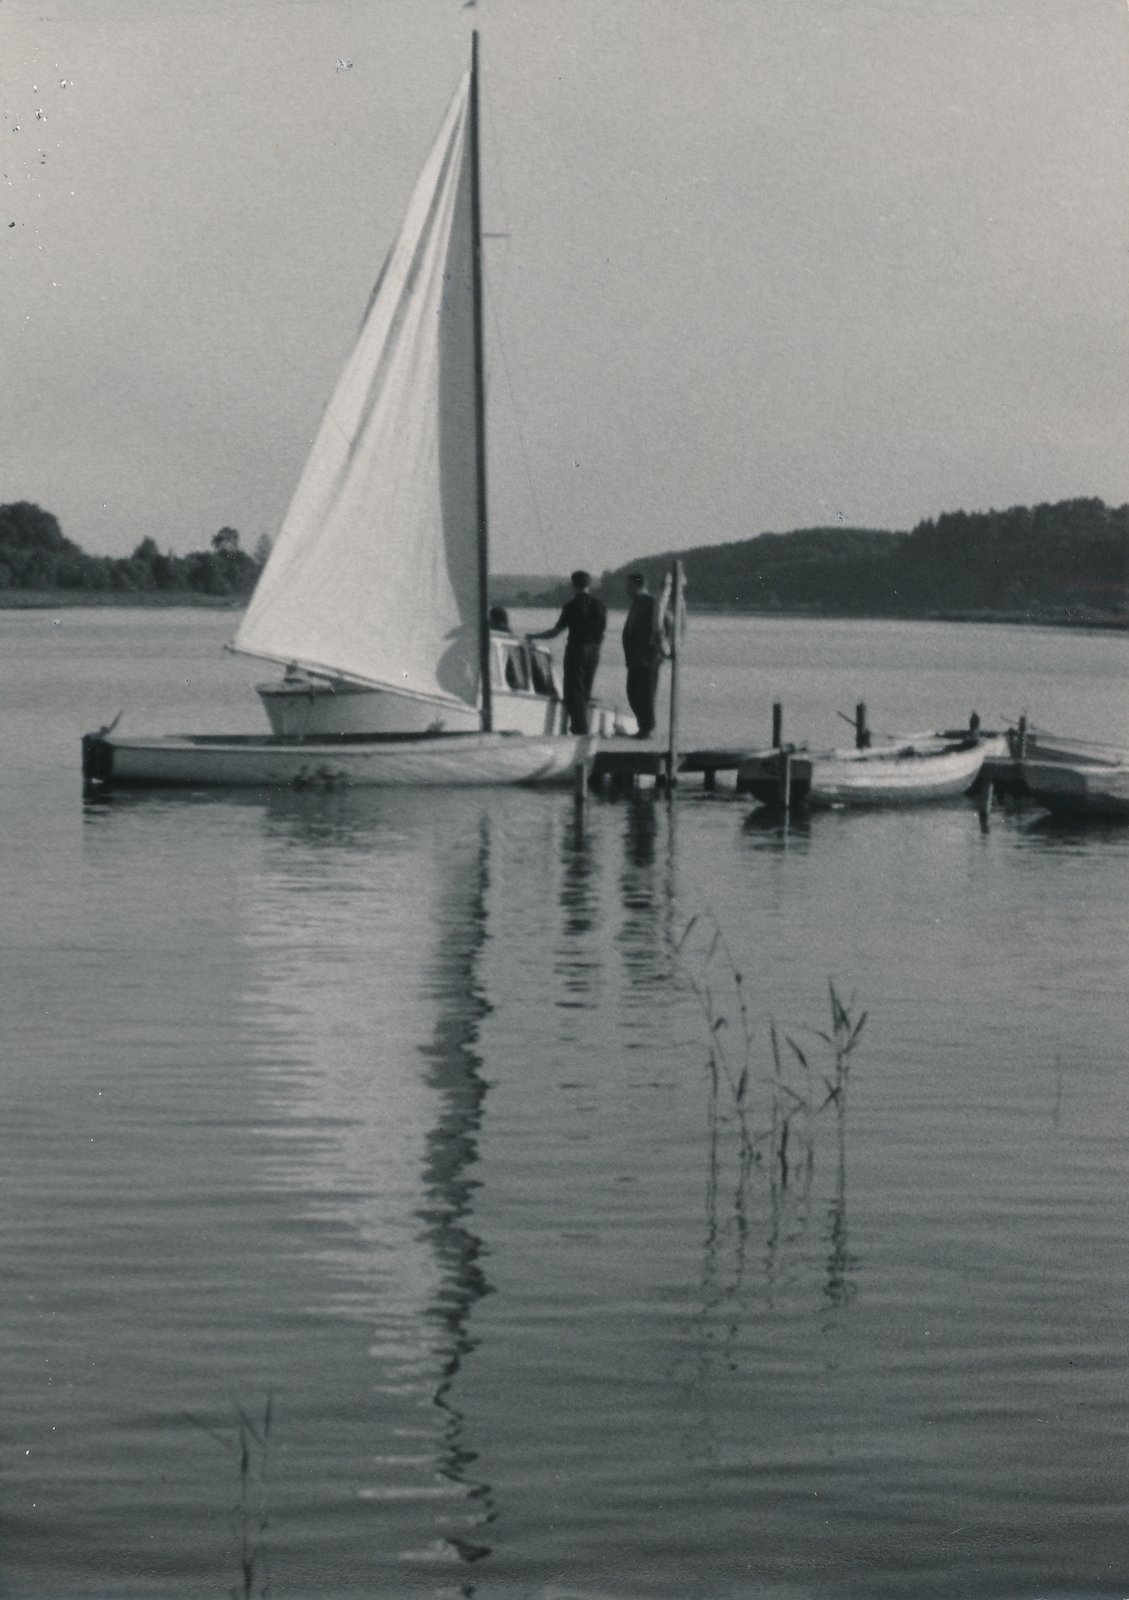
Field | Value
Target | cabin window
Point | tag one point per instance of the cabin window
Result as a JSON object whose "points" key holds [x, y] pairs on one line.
{"points": [[517, 667], [542, 672]]}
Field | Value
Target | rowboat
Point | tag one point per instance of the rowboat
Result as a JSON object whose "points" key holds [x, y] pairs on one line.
{"points": [[910, 772], [1079, 788], [1028, 745], [374, 598]]}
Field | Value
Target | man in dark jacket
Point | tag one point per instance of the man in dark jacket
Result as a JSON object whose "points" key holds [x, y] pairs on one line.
{"points": [[586, 618], [643, 652]]}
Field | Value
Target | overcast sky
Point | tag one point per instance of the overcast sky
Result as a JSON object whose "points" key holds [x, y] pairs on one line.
{"points": [[768, 262]]}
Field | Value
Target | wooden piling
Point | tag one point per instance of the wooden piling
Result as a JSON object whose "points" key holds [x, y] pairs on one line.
{"points": [[1021, 749], [984, 805], [777, 724], [785, 780], [862, 732]]}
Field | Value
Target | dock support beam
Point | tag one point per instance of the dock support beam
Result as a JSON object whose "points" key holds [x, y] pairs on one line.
{"points": [[862, 732], [777, 724]]}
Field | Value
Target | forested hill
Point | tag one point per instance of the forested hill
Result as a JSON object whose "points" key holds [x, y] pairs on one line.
{"points": [[1066, 562]]}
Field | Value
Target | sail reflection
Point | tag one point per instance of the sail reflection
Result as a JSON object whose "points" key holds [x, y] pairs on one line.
{"points": [[375, 1092]]}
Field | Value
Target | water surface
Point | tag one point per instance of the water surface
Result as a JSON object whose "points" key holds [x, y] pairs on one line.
{"points": [[396, 1108]]}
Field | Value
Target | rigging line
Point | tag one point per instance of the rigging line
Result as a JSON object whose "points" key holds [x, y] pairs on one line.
{"points": [[495, 166], [486, 99], [545, 551]]}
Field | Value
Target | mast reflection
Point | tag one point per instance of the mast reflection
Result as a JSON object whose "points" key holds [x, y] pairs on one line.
{"points": [[455, 1074]]}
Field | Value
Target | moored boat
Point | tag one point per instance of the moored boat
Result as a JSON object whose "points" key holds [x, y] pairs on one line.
{"points": [[903, 773], [1029, 744], [1079, 788], [374, 598]]}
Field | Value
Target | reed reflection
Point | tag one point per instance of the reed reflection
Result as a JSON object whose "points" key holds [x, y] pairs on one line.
{"points": [[776, 1118]]}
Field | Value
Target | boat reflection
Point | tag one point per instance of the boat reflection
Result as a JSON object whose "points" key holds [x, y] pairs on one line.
{"points": [[380, 1091]]}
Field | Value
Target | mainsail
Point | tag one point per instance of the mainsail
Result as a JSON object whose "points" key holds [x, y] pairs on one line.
{"points": [[374, 575]]}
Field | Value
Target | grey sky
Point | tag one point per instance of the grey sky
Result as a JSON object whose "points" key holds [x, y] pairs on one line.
{"points": [[768, 260]]}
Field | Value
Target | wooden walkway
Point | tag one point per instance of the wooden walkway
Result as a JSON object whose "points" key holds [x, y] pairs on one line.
{"points": [[617, 767]]}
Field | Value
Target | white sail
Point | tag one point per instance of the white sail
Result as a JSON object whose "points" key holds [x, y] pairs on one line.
{"points": [[374, 575]]}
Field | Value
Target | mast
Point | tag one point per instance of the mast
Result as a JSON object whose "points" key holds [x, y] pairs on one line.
{"points": [[479, 401]]}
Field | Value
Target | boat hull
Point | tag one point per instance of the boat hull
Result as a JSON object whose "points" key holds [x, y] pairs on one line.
{"points": [[904, 775], [253, 761], [300, 706], [1079, 789], [309, 708]]}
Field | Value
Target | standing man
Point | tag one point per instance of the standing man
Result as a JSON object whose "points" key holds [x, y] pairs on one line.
{"points": [[643, 652], [586, 618]]}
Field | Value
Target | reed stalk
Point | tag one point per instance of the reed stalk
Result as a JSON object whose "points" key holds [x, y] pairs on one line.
{"points": [[777, 1136]]}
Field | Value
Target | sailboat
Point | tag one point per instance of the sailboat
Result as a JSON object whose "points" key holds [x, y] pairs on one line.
{"points": [[374, 597]]}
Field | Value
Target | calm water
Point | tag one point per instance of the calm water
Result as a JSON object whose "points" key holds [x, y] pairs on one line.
{"points": [[395, 1108]]}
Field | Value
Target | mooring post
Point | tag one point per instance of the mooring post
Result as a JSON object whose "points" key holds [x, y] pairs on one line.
{"points": [[862, 732], [777, 724], [985, 805], [1021, 744], [785, 780]]}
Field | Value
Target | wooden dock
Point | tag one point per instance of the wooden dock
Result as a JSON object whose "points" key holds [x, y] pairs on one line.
{"points": [[617, 768]]}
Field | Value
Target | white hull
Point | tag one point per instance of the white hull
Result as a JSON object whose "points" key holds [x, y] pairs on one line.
{"points": [[907, 776], [1086, 789], [249, 761], [314, 708], [904, 775]]}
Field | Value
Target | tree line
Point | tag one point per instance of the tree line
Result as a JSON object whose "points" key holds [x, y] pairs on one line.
{"points": [[35, 554], [1067, 561]]}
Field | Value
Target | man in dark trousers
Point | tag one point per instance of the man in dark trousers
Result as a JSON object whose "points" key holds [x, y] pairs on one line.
{"points": [[643, 652], [586, 618]]}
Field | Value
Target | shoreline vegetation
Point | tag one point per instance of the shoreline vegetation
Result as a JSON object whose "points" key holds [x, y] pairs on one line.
{"points": [[1063, 565], [72, 599]]}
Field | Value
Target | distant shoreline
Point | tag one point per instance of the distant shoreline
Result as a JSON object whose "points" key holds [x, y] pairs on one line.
{"points": [[164, 599], [1010, 618], [161, 599]]}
